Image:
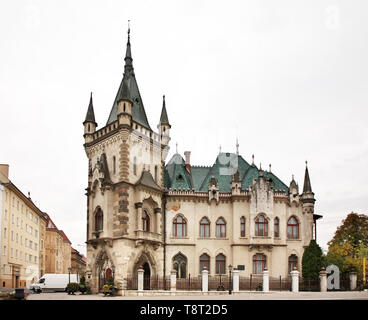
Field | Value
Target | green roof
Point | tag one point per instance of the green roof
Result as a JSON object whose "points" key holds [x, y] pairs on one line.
{"points": [[226, 164]]}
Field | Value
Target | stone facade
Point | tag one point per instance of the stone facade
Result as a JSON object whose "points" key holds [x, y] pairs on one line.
{"points": [[134, 201]]}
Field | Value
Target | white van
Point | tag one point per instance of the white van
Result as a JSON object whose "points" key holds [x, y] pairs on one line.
{"points": [[53, 282]]}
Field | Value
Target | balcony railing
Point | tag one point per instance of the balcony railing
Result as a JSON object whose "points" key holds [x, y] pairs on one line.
{"points": [[147, 235]]}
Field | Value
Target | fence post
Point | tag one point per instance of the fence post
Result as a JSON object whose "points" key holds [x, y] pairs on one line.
{"points": [[205, 280], [353, 280], [173, 280], [235, 280], [266, 279], [140, 281], [323, 280], [295, 280]]}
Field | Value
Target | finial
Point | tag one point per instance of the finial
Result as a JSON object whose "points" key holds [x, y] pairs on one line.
{"points": [[292, 176], [128, 28], [220, 148], [237, 146], [269, 168], [253, 159], [176, 147], [163, 97], [306, 163]]}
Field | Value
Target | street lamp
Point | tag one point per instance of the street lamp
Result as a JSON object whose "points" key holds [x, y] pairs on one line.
{"points": [[69, 270], [230, 269]]}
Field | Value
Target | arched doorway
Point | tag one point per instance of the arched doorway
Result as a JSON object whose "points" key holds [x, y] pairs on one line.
{"points": [[108, 273], [146, 276]]}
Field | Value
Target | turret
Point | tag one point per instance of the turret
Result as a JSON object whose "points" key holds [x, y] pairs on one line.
{"points": [[89, 123], [164, 125], [307, 196], [125, 105]]}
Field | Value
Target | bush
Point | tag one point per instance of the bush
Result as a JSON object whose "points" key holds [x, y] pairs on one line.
{"points": [[312, 261], [72, 287]]}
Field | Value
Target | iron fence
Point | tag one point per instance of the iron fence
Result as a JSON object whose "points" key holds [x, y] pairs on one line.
{"points": [[188, 284], [309, 284]]}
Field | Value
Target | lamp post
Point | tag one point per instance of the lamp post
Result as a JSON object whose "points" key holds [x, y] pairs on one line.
{"points": [[230, 269], [69, 270]]}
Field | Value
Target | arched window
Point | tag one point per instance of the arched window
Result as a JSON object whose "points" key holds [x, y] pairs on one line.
{"points": [[135, 165], [293, 228], [259, 263], [220, 228], [204, 261], [242, 227], [276, 228], [114, 164], [180, 265], [145, 221], [99, 220], [179, 227], [220, 264], [293, 262], [156, 174], [124, 107], [261, 226], [204, 228]]}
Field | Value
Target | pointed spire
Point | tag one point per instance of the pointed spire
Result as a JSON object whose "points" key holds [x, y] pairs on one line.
{"points": [[164, 120], [307, 185], [128, 55], [90, 116], [124, 93]]}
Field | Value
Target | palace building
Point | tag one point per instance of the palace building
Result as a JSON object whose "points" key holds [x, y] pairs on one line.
{"points": [[144, 212]]}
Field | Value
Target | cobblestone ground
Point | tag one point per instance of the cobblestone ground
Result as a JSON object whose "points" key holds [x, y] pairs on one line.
{"points": [[362, 295]]}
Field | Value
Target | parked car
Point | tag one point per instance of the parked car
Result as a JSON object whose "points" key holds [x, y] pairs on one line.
{"points": [[52, 282]]}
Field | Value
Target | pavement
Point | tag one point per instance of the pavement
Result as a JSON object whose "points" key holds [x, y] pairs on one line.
{"points": [[336, 295]]}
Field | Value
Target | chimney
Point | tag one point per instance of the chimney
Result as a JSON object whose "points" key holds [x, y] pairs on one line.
{"points": [[4, 169], [187, 160]]}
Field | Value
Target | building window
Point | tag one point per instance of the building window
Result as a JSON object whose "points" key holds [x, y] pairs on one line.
{"points": [[145, 221], [204, 262], [261, 226], [180, 265], [293, 228], [259, 263], [179, 227], [4, 232], [99, 220], [156, 174], [293, 262], [277, 228], [220, 264], [205, 228], [114, 164], [135, 165], [242, 227], [220, 228]]}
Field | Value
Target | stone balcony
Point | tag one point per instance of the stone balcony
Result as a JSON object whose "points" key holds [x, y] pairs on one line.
{"points": [[149, 236]]}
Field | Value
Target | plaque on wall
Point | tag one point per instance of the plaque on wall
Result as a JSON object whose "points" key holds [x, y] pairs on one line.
{"points": [[241, 267]]}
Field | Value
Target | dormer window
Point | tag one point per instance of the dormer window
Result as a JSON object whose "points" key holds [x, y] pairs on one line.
{"points": [[179, 178]]}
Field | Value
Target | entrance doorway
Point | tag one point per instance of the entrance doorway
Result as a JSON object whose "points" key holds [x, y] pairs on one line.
{"points": [[146, 276]]}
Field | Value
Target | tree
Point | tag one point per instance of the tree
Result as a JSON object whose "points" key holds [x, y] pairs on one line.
{"points": [[349, 244], [312, 261]]}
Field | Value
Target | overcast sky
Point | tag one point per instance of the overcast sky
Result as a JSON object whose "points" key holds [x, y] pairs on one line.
{"points": [[288, 78]]}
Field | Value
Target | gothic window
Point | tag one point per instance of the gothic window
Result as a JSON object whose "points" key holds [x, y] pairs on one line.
{"points": [[261, 226], [204, 262], [179, 227], [145, 221], [114, 164], [293, 262], [242, 227], [220, 228], [293, 228], [276, 228], [259, 263], [180, 265], [135, 165], [99, 220], [220, 264], [204, 228]]}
